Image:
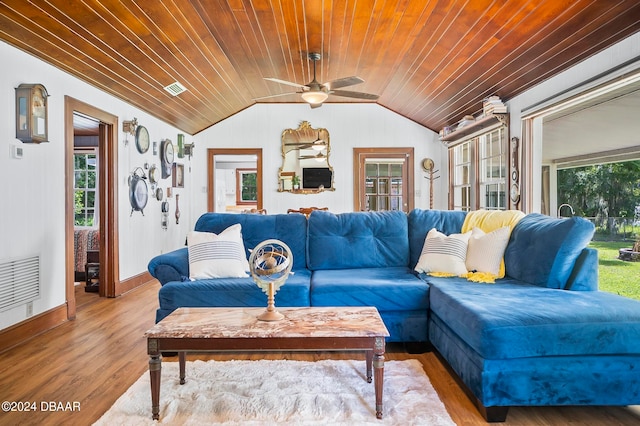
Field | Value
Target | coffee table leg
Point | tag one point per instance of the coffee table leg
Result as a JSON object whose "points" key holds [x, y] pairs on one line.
{"points": [[369, 364], [155, 368], [378, 370], [182, 361]]}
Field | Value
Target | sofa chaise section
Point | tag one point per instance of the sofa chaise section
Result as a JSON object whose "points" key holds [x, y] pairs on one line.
{"points": [[543, 335]]}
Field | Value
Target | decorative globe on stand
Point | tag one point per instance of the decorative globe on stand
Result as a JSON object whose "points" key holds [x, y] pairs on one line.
{"points": [[270, 264]]}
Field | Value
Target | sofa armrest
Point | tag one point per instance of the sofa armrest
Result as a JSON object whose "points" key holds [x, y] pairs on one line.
{"points": [[172, 266], [584, 276]]}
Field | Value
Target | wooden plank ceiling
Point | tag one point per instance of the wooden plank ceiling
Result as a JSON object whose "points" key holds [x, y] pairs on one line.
{"points": [[431, 61]]}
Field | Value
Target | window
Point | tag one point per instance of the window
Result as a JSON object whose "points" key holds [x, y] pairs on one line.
{"points": [[488, 180], [246, 186], [493, 170], [383, 179], [85, 188], [462, 172]]}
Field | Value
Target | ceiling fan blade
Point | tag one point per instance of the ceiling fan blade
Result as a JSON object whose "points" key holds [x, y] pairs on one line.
{"points": [[343, 82], [315, 105], [289, 83], [357, 95], [275, 96]]}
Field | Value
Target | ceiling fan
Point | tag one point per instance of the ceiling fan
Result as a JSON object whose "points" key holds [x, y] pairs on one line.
{"points": [[316, 93]]}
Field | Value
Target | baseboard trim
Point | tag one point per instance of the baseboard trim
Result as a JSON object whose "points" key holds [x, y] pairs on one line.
{"points": [[31, 327], [134, 282]]}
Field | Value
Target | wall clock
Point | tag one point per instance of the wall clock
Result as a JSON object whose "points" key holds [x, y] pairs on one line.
{"points": [[138, 192], [154, 175], [31, 113], [142, 139], [515, 193], [166, 158]]}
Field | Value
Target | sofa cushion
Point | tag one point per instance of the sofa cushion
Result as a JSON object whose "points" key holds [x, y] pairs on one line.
{"points": [[444, 254], [388, 289], [515, 320], [420, 222], [217, 255], [289, 228], [357, 240], [543, 250]]}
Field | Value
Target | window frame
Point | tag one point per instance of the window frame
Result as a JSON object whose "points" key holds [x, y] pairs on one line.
{"points": [[478, 163], [360, 157], [240, 172], [95, 190]]}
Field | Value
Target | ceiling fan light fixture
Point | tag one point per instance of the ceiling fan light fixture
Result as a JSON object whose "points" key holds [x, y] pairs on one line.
{"points": [[314, 97], [318, 146]]}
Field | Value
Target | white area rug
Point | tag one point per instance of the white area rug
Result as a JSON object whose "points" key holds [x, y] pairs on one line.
{"points": [[267, 392]]}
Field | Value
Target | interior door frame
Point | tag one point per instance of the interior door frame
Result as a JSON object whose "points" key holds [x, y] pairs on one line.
{"points": [[359, 157], [108, 200], [211, 178]]}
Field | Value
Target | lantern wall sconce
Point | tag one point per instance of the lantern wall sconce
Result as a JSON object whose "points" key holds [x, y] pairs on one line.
{"points": [[31, 113]]}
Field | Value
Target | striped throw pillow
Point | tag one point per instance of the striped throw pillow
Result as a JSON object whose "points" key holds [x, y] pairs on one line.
{"points": [[443, 254], [217, 256]]}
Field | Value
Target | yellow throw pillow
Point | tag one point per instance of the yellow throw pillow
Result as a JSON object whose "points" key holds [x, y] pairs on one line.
{"points": [[442, 254]]}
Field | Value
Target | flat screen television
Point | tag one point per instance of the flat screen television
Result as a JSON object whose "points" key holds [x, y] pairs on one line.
{"points": [[312, 178]]}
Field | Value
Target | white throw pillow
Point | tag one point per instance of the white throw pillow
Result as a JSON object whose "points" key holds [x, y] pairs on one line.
{"points": [[486, 251], [217, 256], [443, 254]]}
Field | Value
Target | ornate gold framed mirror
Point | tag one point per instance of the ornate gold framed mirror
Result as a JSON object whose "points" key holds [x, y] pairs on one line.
{"points": [[305, 161]]}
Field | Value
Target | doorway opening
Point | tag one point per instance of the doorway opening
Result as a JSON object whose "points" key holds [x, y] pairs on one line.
{"points": [[235, 180], [91, 195]]}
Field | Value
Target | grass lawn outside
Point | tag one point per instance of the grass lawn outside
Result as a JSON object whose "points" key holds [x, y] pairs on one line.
{"points": [[617, 276]]}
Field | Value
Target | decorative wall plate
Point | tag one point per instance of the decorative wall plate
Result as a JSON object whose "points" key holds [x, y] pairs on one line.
{"points": [[427, 164]]}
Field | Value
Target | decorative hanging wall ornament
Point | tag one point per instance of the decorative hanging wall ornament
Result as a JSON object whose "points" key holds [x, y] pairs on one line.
{"points": [[129, 128], [164, 217], [177, 210], [138, 190], [270, 264]]}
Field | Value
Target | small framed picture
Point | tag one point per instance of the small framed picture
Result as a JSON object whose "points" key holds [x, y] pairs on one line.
{"points": [[178, 175]]}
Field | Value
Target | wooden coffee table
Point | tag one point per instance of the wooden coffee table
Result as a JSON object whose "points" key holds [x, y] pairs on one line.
{"points": [[238, 329]]}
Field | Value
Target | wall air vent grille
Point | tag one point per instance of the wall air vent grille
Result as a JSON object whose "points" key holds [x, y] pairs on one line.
{"points": [[175, 88], [19, 282]]}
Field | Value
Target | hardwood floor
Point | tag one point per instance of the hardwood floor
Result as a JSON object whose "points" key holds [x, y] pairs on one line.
{"points": [[95, 358]]}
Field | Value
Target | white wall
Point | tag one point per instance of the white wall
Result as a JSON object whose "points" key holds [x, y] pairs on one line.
{"points": [[349, 126], [33, 190]]}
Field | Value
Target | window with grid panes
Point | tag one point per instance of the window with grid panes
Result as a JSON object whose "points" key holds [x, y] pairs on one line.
{"points": [[85, 186], [383, 184], [493, 170], [489, 175], [462, 175]]}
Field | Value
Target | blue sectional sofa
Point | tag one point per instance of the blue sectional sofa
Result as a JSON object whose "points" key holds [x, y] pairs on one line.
{"points": [[542, 335]]}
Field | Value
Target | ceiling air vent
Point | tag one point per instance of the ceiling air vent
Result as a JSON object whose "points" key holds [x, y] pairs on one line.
{"points": [[175, 88]]}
